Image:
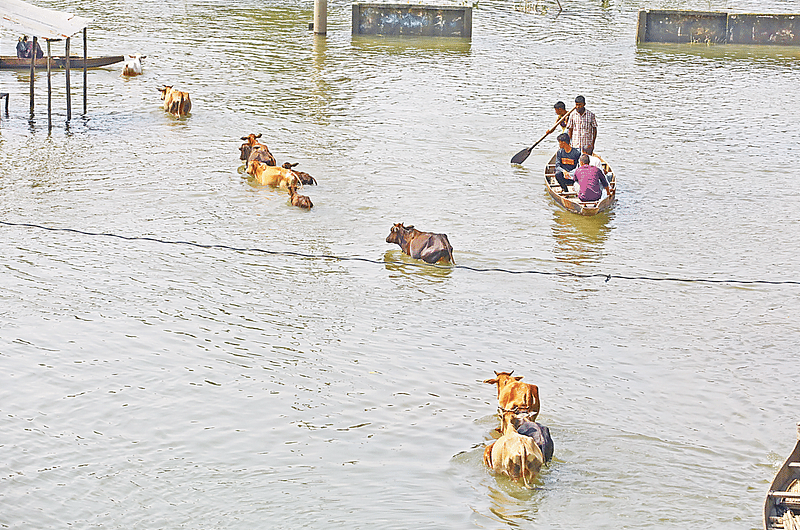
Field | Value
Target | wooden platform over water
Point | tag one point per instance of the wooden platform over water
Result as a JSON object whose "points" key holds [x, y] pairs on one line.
{"points": [[717, 28]]}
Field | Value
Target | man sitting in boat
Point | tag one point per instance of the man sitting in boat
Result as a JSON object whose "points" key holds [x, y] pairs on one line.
{"points": [[590, 180], [566, 162]]}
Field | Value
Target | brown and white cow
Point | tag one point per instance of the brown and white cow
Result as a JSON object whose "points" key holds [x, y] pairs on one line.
{"points": [[175, 101], [513, 396], [426, 246], [513, 454], [304, 177], [277, 177], [252, 149]]}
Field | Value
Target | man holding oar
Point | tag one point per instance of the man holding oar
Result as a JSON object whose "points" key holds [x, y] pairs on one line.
{"points": [[561, 112], [522, 155]]}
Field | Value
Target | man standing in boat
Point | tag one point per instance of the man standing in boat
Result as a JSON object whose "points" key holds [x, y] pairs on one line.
{"points": [[566, 162], [591, 180], [582, 126]]}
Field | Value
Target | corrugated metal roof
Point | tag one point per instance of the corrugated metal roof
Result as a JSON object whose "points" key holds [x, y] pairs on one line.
{"points": [[22, 17]]}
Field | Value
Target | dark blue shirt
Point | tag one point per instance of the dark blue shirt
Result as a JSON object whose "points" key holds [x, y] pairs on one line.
{"points": [[567, 161]]}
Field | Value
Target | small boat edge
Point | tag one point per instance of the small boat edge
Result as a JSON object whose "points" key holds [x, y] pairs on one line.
{"points": [[778, 494]]}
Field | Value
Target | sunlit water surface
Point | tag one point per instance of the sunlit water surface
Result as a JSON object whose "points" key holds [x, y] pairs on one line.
{"points": [[146, 382]]}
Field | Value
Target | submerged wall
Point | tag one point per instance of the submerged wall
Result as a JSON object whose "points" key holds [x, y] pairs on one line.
{"points": [[412, 19], [717, 28]]}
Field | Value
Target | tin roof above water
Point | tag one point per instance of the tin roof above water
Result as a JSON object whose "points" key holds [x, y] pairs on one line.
{"points": [[22, 17]]}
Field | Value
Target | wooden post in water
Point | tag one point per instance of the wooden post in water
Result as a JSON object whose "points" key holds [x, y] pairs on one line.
{"points": [[49, 91], [85, 60], [320, 17], [69, 96], [33, 69]]}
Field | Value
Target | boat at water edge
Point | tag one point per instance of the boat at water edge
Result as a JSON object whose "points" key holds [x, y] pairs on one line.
{"points": [[782, 506], [10, 62], [570, 201]]}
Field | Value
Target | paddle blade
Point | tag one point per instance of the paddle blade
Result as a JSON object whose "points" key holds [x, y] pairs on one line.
{"points": [[521, 156]]}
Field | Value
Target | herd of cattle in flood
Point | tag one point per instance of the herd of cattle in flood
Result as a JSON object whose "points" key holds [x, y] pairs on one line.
{"points": [[261, 165], [524, 445]]}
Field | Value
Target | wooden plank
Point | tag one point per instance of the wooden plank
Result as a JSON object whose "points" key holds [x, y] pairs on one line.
{"points": [[785, 494]]}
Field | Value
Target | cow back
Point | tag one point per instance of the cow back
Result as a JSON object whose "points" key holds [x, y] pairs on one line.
{"points": [[517, 456], [430, 247], [522, 397], [540, 435]]}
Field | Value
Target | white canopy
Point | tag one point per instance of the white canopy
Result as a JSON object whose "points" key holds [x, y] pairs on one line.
{"points": [[22, 17]]}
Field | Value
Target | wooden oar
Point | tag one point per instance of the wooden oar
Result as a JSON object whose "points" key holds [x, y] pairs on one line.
{"points": [[525, 153]]}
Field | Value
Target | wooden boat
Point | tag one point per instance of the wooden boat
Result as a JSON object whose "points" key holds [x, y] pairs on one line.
{"points": [[10, 62], [782, 506], [569, 201]]}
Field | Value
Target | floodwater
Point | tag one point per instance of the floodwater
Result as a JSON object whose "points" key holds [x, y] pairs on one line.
{"points": [[182, 349]]}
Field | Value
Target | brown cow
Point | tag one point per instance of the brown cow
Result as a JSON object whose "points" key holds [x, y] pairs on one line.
{"points": [[277, 177], [513, 454], [175, 101], [301, 201], [426, 246], [513, 396], [252, 149], [304, 177]]}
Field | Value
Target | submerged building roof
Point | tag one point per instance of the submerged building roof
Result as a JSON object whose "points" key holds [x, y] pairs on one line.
{"points": [[22, 17]]}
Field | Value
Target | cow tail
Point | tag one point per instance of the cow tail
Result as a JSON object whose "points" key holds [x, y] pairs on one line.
{"points": [[525, 472]]}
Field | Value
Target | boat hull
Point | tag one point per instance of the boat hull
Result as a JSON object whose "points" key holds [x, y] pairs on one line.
{"points": [[570, 201], [783, 496], [58, 62]]}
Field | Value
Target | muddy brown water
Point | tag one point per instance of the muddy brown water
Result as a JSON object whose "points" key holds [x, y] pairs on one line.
{"points": [[149, 383]]}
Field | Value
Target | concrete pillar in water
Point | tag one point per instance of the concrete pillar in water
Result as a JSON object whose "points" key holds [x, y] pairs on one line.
{"points": [[321, 17]]}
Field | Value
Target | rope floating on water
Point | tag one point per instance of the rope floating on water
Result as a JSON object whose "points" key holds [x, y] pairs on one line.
{"points": [[605, 276]]}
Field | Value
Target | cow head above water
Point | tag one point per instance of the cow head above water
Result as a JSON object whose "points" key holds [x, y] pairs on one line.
{"points": [[502, 379], [398, 233], [251, 138]]}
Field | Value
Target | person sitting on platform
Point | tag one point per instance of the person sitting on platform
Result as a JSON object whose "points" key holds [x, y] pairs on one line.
{"points": [[591, 180], [22, 47], [566, 162], [39, 52]]}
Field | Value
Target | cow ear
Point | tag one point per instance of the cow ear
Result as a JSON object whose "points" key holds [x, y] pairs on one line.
{"points": [[519, 377], [258, 135], [491, 381]]}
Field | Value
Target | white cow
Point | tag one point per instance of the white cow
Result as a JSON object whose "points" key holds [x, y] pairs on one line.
{"points": [[133, 66]]}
